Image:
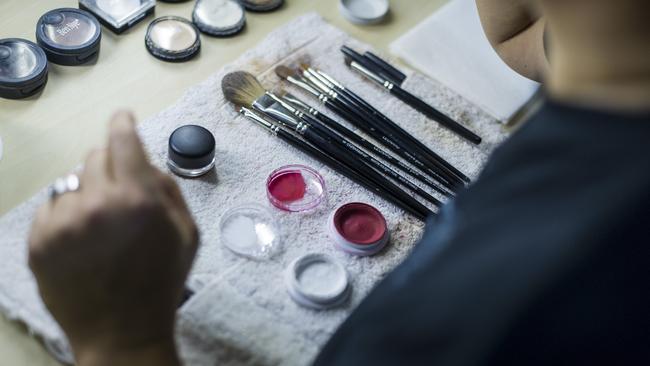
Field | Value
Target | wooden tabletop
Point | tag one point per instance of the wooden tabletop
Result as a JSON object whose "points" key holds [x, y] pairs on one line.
{"points": [[46, 136]]}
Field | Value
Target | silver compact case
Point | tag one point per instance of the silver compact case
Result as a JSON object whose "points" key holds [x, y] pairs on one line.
{"points": [[23, 68], [69, 36], [172, 38], [119, 15], [219, 18]]}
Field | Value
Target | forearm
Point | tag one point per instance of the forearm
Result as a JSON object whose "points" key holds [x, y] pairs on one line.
{"points": [[517, 35]]}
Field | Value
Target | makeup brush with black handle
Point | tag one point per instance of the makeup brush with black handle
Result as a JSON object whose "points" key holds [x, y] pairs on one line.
{"points": [[387, 126], [354, 150], [414, 101], [243, 89], [372, 119], [332, 163], [355, 138], [350, 114]]}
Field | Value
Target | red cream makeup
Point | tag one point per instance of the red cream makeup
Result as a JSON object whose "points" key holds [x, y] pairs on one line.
{"points": [[358, 229], [295, 188]]}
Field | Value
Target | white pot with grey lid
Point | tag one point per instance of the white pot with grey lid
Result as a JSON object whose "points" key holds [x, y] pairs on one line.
{"points": [[69, 36], [23, 68]]}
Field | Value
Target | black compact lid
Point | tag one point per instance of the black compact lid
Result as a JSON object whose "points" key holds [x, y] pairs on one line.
{"points": [[23, 68], [69, 36], [191, 147]]}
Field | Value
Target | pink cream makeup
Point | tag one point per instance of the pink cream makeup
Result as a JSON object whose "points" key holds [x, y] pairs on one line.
{"points": [[358, 229], [295, 188]]}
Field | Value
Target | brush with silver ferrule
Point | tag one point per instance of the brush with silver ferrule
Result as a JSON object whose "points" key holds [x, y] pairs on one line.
{"points": [[343, 142], [243, 89], [359, 140], [390, 128], [414, 102], [354, 115], [297, 143]]}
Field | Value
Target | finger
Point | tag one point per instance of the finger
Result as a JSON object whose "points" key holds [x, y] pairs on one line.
{"points": [[40, 225], [127, 157], [96, 176], [170, 189]]}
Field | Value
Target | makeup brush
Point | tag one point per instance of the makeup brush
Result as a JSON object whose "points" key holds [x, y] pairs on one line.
{"points": [[354, 150], [414, 102], [325, 159], [243, 89], [357, 139], [347, 108], [387, 126]]}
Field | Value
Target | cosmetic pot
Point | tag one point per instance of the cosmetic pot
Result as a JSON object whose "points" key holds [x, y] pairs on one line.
{"points": [[191, 151], [358, 229], [261, 5], [173, 39], [250, 231], [23, 68], [219, 18], [119, 15], [69, 36], [295, 188], [317, 281], [364, 11]]}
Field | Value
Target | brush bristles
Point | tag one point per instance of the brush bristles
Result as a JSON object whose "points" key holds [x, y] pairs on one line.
{"points": [[241, 88], [284, 72]]}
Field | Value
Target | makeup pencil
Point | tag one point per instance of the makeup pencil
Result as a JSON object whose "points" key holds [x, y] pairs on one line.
{"points": [[242, 89], [332, 163], [351, 113]]}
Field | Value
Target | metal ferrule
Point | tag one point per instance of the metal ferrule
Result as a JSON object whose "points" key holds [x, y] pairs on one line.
{"points": [[321, 78], [303, 84], [290, 98], [315, 82], [371, 75], [330, 79], [268, 106], [301, 128], [259, 120]]}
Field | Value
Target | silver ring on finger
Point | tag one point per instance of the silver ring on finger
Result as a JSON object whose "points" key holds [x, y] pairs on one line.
{"points": [[63, 185]]}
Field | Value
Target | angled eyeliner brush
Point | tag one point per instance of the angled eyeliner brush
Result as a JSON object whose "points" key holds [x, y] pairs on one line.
{"points": [[368, 118], [415, 102], [356, 151], [352, 116], [325, 159], [391, 127], [355, 138], [243, 89]]}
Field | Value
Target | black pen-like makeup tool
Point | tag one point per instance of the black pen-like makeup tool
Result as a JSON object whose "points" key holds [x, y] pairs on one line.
{"points": [[339, 167], [359, 140], [351, 115]]}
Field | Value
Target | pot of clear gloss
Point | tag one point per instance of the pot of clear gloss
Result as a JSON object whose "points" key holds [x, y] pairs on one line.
{"points": [[191, 151]]}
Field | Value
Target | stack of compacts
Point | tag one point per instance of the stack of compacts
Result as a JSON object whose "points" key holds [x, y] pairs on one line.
{"points": [[392, 164]]}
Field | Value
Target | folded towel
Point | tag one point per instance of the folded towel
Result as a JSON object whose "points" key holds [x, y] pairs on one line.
{"points": [[451, 47]]}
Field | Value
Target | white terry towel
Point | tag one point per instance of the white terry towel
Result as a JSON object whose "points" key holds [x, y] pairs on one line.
{"points": [[451, 47]]}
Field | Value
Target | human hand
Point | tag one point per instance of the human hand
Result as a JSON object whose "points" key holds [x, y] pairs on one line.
{"points": [[111, 259], [516, 31]]}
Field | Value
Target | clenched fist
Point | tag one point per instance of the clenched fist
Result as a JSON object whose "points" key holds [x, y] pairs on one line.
{"points": [[111, 259]]}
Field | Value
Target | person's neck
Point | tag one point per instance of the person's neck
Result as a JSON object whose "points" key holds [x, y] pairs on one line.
{"points": [[605, 65]]}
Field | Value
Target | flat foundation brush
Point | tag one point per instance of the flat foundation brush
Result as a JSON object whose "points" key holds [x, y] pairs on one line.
{"points": [[243, 89], [297, 143], [352, 115]]}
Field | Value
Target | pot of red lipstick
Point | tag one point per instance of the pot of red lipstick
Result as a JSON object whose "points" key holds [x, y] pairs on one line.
{"points": [[358, 229], [295, 188]]}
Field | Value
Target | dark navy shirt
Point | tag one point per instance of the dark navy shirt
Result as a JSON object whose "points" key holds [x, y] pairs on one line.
{"points": [[544, 260]]}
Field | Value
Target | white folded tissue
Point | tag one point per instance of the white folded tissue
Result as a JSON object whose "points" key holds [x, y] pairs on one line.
{"points": [[241, 313], [451, 47]]}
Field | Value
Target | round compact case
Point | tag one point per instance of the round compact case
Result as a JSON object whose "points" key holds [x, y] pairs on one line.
{"points": [[219, 18], [250, 231], [172, 38], [295, 188], [69, 36], [317, 281], [23, 68], [364, 11], [261, 5], [358, 229], [191, 151]]}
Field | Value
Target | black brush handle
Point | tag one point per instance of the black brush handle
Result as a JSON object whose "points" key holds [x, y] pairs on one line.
{"points": [[354, 137], [434, 114], [391, 71], [361, 120], [362, 168], [368, 159], [347, 172]]}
